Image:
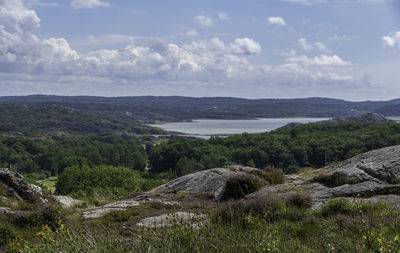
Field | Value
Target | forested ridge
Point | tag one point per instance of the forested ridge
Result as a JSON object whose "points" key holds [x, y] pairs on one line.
{"points": [[102, 115]]}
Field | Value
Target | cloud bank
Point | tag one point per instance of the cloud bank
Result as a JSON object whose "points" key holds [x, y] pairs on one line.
{"points": [[216, 61]]}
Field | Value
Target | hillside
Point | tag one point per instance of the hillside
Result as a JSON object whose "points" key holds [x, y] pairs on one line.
{"points": [[129, 115]]}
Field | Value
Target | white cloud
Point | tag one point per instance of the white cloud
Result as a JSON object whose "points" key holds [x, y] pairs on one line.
{"points": [[321, 47], [322, 60], [204, 20], [279, 21], [304, 44], [223, 16], [202, 62], [240, 46], [392, 40], [192, 33], [88, 4]]}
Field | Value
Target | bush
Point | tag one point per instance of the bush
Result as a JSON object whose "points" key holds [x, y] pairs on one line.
{"points": [[336, 206], [3, 190], [236, 212], [299, 200], [271, 175], [94, 179], [335, 180], [240, 185], [48, 215], [6, 234]]}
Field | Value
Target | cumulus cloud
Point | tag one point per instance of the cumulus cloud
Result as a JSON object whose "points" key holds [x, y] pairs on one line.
{"points": [[88, 4], [204, 20], [201, 61], [279, 21], [304, 44], [223, 16], [392, 40], [321, 47], [322, 60], [192, 33], [240, 46]]}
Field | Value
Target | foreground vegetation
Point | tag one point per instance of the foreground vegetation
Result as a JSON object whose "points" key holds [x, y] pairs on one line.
{"points": [[264, 225], [101, 168]]}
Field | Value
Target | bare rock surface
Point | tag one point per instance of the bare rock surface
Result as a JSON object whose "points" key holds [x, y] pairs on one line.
{"points": [[210, 181], [66, 201], [171, 219], [124, 205], [370, 176], [18, 188]]}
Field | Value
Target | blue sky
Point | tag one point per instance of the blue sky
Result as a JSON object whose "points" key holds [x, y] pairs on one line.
{"points": [[348, 49]]}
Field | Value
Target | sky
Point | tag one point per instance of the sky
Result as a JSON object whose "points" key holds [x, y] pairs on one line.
{"points": [[345, 49]]}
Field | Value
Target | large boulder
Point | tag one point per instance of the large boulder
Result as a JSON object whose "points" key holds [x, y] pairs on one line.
{"points": [[369, 176], [18, 188], [210, 181]]}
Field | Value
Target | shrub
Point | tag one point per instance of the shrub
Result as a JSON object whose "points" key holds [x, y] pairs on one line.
{"points": [[236, 212], [48, 215], [6, 234], [336, 179], [92, 179], [336, 206], [299, 200], [240, 185], [271, 175]]}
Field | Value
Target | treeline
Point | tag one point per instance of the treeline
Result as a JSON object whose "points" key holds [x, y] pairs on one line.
{"points": [[53, 154], [311, 145]]}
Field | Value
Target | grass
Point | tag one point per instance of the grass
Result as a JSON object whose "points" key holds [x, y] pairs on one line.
{"points": [[49, 183], [367, 228], [271, 224]]}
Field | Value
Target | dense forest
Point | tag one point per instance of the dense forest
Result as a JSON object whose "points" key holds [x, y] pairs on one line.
{"points": [[310, 145], [85, 163]]}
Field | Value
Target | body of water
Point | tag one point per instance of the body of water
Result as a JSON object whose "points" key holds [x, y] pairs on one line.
{"points": [[206, 127]]}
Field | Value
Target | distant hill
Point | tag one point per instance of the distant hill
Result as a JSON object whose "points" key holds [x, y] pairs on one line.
{"points": [[130, 114]]}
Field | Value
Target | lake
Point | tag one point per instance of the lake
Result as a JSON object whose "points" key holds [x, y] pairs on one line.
{"points": [[207, 127]]}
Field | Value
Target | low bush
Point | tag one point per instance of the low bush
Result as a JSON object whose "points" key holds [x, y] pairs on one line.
{"points": [[240, 185], [3, 190], [6, 234], [299, 200], [48, 215], [337, 206], [91, 180], [271, 175], [335, 180]]}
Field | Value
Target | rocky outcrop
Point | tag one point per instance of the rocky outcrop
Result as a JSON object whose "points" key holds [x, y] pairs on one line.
{"points": [[210, 181], [373, 175], [124, 205], [66, 201], [171, 219], [18, 188]]}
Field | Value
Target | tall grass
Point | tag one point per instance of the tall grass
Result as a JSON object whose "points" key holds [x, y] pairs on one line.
{"points": [[262, 226]]}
